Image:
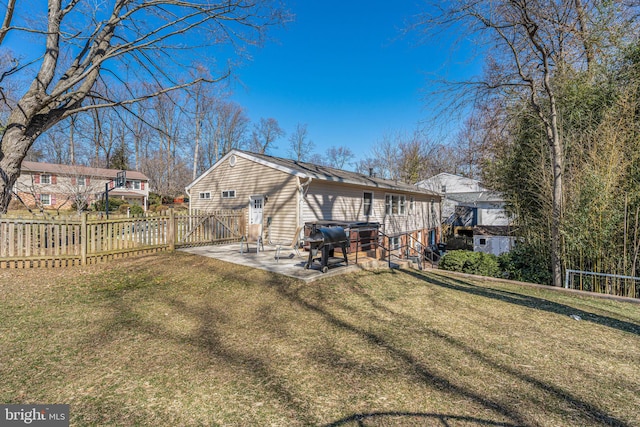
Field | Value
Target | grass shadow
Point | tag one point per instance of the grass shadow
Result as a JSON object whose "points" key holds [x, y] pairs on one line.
{"points": [[209, 340], [586, 409], [422, 372], [419, 417], [524, 301]]}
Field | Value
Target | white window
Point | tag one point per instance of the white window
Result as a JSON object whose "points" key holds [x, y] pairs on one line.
{"points": [[367, 203], [45, 179], [45, 199], [394, 243], [81, 181], [395, 204], [228, 194], [205, 195], [412, 205], [136, 185]]}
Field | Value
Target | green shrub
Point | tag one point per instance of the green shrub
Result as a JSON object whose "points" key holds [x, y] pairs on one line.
{"points": [[527, 264], [454, 260], [83, 205], [136, 210], [114, 204], [159, 208], [155, 199], [469, 262], [124, 208]]}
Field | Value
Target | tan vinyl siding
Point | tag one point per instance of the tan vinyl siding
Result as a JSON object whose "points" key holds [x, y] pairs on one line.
{"points": [[341, 202], [331, 201], [248, 179]]}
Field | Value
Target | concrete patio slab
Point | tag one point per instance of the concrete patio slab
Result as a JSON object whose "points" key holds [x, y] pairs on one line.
{"points": [[289, 265]]}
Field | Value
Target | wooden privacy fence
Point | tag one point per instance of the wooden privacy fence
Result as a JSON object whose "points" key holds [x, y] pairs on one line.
{"points": [[26, 243]]}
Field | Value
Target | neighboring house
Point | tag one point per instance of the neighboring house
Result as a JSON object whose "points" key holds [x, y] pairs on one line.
{"points": [[54, 186], [446, 183], [471, 210], [283, 194]]}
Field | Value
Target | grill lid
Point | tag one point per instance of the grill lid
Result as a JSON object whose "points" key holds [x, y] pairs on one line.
{"points": [[333, 234]]}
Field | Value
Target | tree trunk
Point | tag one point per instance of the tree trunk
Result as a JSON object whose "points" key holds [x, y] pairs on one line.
{"points": [[557, 159], [196, 149], [72, 147], [556, 247], [15, 144]]}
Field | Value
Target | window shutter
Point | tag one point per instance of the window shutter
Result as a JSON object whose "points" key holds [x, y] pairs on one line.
{"points": [[73, 180], [52, 200], [53, 180], [36, 178], [86, 180], [110, 184], [142, 185]]}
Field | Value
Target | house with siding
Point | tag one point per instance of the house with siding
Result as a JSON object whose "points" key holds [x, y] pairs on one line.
{"points": [[57, 186], [472, 211], [283, 194]]}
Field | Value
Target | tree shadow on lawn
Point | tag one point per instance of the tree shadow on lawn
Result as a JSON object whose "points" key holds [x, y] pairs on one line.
{"points": [[585, 409], [259, 366], [420, 418], [524, 300], [210, 340], [413, 365]]}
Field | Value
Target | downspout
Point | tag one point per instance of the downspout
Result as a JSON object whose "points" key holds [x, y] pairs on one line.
{"points": [[303, 187]]}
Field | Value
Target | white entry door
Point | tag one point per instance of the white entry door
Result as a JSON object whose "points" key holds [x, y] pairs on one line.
{"points": [[256, 204]]}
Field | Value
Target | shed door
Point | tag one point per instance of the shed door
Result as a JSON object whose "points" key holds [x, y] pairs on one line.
{"points": [[256, 204]]}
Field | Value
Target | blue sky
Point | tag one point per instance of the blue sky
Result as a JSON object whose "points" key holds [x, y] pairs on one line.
{"points": [[346, 70]]}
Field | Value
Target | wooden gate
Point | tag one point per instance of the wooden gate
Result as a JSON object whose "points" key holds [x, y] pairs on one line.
{"points": [[210, 228]]}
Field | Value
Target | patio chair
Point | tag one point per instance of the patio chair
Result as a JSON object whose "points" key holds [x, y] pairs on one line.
{"points": [[254, 235], [292, 244]]}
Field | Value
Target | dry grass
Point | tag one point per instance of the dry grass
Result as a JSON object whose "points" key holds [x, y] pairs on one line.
{"points": [[175, 339]]}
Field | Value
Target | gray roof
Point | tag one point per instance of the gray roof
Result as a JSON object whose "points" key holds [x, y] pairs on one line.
{"points": [[77, 170], [326, 173], [493, 230], [480, 196]]}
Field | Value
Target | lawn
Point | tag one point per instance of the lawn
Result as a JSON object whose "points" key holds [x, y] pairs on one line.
{"points": [[176, 339]]}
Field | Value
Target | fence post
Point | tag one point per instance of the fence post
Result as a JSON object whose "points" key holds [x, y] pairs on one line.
{"points": [[171, 230], [83, 239]]}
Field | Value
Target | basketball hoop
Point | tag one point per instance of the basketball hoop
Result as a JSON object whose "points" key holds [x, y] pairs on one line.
{"points": [[119, 182]]}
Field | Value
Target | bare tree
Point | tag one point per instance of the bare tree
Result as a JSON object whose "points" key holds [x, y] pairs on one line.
{"points": [[229, 129], [383, 159], [200, 104], [339, 157], [81, 189], [410, 157], [264, 134], [300, 144], [533, 46], [168, 115], [117, 43], [55, 144]]}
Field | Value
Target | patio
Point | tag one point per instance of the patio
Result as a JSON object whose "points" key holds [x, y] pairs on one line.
{"points": [[289, 265]]}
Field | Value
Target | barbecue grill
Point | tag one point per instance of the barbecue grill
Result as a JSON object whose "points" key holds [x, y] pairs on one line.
{"points": [[322, 242]]}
